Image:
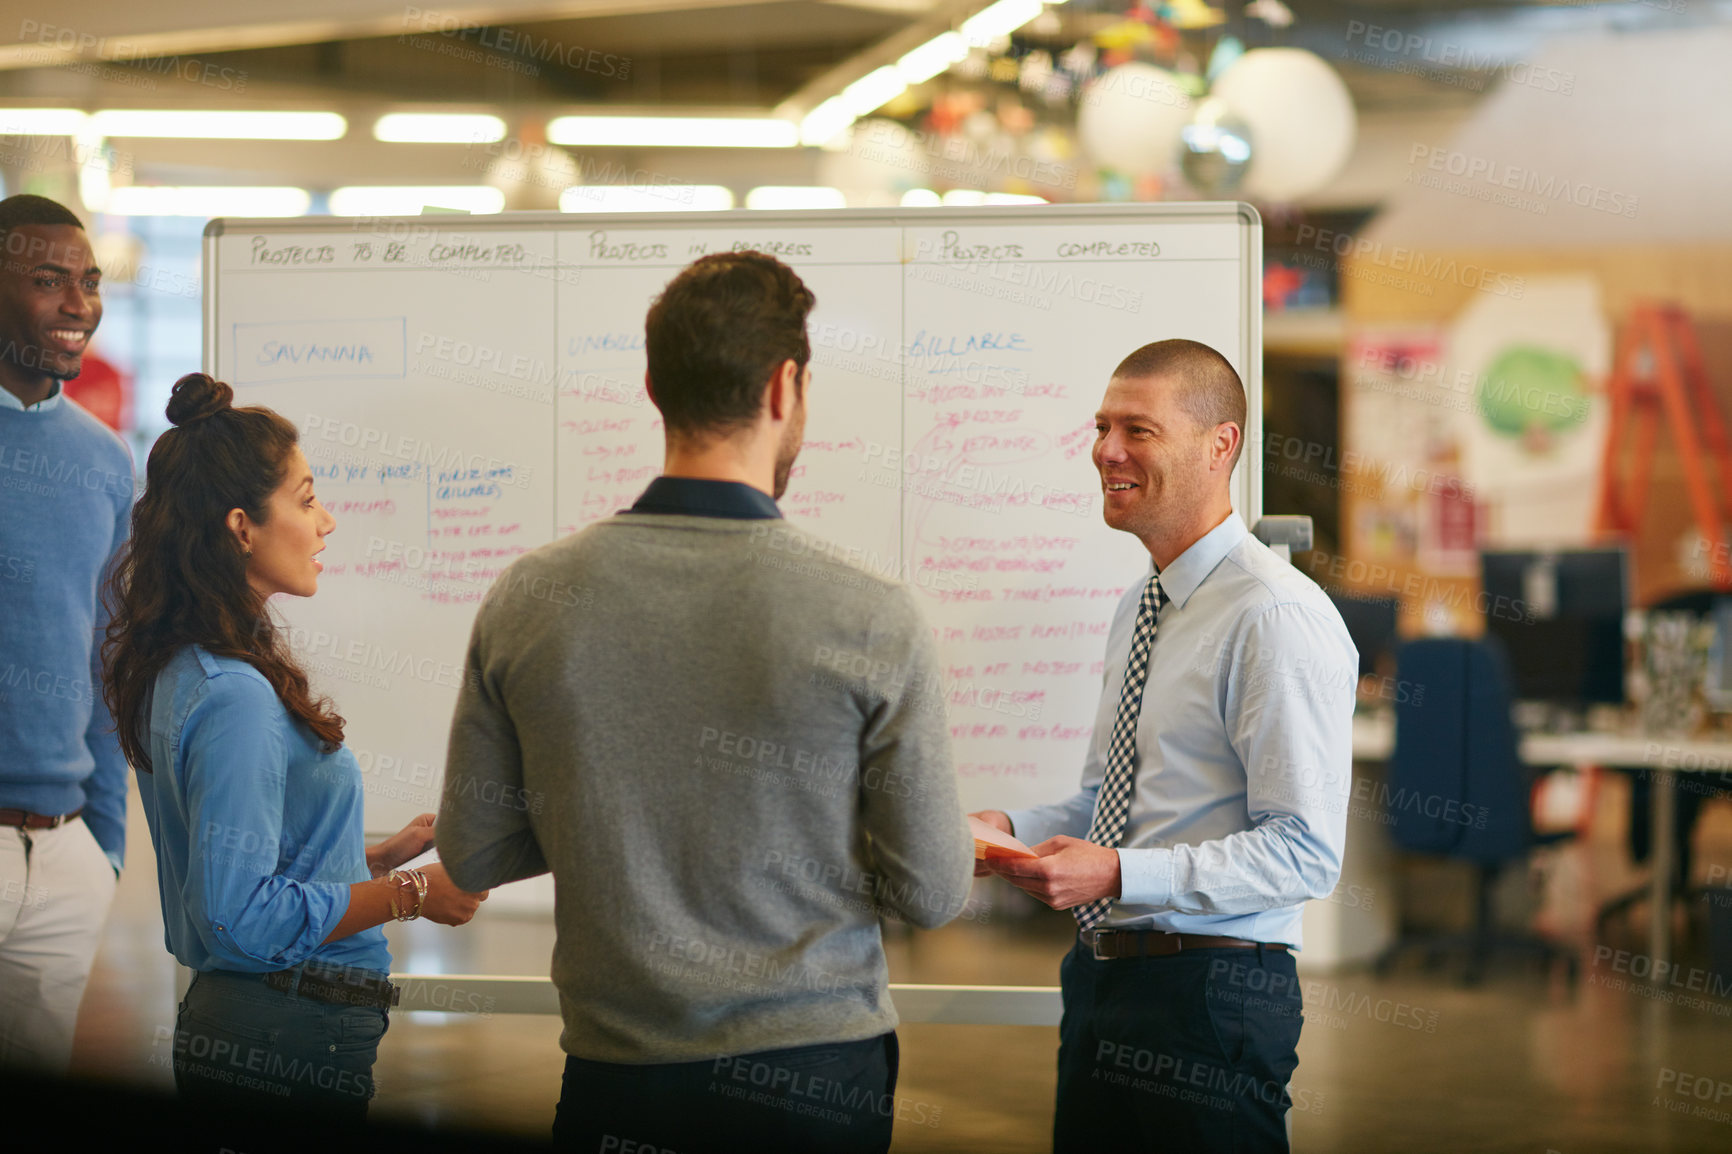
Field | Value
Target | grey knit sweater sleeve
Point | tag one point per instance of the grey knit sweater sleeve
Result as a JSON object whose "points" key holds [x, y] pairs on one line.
{"points": [[731, 750], [483, 829], [906, 772]]}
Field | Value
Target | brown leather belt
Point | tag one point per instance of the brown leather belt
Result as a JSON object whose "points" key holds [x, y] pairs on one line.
{"points": [[1109, 945], [24, 819]]}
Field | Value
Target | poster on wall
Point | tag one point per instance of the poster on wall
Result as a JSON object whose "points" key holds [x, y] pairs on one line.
{"points": [[1405, 425], [1536, 366]]}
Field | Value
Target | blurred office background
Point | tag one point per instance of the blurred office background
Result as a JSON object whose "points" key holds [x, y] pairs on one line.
{"points": [[1498, 363]]}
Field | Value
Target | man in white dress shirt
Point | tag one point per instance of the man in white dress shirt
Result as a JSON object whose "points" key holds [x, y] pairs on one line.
{"points": [[1213, 799]]}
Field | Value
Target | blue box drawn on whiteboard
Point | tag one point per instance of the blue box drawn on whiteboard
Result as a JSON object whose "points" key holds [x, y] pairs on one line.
{"points": [[271, 351]]}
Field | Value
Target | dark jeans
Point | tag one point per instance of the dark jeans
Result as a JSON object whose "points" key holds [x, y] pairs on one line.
{"points": [[238, 1043], [1189, 1053], [835, 1097]]}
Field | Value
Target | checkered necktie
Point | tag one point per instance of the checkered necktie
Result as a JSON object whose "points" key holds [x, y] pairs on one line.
{"points": [[1113, 803]]}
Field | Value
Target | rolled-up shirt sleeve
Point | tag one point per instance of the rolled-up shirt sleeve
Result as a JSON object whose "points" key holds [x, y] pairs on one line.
{"points": [[249, 916], [1289, 718]]}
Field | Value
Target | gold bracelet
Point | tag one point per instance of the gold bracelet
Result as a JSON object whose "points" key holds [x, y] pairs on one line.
{"points": [[398, 878], [420, 891]]}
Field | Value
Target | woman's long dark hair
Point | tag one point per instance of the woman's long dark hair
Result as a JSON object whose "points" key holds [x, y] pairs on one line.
{"points": [[181, 579]]}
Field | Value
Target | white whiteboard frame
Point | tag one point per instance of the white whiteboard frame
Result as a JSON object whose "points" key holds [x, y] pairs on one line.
{"points": [[1248, 478], [1003, 1005], [1239, 220]]}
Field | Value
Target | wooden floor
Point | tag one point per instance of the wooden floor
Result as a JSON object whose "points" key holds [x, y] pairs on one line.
{"points": [[1519, 1064]]}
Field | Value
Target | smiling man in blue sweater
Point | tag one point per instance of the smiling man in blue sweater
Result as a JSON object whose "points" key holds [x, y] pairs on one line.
{"points": [[65, 504]]}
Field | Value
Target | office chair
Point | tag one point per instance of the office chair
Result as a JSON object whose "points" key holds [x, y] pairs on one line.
{"points": [[1458, 789]]}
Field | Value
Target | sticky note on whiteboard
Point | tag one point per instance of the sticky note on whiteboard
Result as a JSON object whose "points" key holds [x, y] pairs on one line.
{"points": [[269, 351]]}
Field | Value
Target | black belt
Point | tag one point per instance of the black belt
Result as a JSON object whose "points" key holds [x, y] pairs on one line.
{"points": [[336, 985], [1109, 945]]}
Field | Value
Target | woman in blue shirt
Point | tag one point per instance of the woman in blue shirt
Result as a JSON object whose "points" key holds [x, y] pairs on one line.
{"points": [[254, 804]]}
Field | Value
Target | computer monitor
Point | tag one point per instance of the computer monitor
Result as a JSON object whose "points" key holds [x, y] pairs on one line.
{"points": [[1717, 687], [1370, 623], [1560, 617]]}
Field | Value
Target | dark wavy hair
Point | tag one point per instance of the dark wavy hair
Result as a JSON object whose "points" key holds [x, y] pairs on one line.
{"points": [[181, 579], [717, 332]]}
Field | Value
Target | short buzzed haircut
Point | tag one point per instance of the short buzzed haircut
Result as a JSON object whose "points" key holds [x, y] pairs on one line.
{"points": [[1211, 392], [26, 209]]}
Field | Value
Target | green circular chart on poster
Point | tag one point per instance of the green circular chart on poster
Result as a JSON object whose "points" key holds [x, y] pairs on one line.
{"points": [[1529, 390]]}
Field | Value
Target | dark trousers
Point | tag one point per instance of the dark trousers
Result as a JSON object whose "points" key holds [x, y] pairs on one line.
{"points": [[835, 1097], [239, 1044], [1189, 1053]]}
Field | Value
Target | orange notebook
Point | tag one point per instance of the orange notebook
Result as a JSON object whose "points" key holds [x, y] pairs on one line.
{"points": [[990, 843]]}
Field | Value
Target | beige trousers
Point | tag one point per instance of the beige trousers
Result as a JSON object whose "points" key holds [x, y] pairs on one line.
{"points": [[55, 890]]}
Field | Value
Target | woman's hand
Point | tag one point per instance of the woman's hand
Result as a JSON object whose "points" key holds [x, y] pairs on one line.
{"points": [[406, 844], [445, 903], [370, 902]]}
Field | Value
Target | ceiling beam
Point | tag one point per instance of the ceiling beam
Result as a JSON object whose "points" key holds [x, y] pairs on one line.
{"points": [[1378, 36], [128, 30], [943, 15]]}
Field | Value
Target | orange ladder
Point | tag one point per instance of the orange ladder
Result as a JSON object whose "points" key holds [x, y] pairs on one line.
{"points": [[1658, 366]]}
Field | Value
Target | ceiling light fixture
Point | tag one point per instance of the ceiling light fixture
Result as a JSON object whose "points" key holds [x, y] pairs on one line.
{"points": [[646, 198], [673, 132], [409, 200], [42, 121], [191, 124], [438, 128], [1000, 19], [931, 58], [774, 196], [825, 122], [824, 125], [206, 201], [970, 197], [874, 90]]}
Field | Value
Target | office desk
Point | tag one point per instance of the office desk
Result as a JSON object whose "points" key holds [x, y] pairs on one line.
{"points": [[1374, 740]]}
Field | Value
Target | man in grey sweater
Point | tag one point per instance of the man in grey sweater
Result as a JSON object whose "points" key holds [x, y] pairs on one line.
{"points": [[729, 747]]}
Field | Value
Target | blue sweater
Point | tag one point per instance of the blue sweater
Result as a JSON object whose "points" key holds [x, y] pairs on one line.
{"points": [[257, 831], [65, 508]]}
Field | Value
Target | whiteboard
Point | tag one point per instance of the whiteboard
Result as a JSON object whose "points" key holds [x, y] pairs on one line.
{"points": [[469, 388]]}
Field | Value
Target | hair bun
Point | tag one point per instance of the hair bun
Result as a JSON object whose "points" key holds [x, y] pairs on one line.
{"points": [[195, 397]]}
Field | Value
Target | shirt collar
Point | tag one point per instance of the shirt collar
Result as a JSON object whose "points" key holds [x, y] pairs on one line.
{"points": [[51, 401], [699, 497], [1186, 571]]}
